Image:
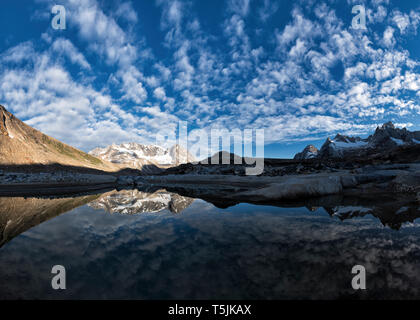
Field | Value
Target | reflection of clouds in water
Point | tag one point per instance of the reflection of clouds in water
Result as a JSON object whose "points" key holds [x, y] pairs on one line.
{"points": [[307, 250], [251, 252]]}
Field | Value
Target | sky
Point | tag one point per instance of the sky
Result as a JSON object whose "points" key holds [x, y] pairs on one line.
{"points": [[129, 71]]}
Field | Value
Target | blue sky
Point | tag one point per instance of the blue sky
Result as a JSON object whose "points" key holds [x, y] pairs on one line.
{"points": [[126, 71]]}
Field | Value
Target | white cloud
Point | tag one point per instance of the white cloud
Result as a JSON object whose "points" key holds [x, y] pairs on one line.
{"points": [[159, 93], [288, 82], [65, 47], [300, 27], [268, 9], [240, 7], [175, 12], [132, 87], [402, 21], [23, 51], [46, 97], [377, 14], [126, 11]]}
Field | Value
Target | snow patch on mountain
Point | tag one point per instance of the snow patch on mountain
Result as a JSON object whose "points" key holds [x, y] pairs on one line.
{"points": [[398, 141]]}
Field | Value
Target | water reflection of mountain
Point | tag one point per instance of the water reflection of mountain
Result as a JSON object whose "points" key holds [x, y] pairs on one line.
{"points": [[19, 214], [135, 202], [246, 252], [391, 216], [392, 210]]}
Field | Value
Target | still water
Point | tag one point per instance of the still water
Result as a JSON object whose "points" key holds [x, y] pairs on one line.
{"points": [[139, 245]]}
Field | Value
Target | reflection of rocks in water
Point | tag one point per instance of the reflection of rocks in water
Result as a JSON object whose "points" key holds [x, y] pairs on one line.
{"points": [[135, 201], [19, 214], [391, 216], [393, 210]]}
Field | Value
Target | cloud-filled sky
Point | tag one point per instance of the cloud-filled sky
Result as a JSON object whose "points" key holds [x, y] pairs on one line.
{"points": [[125, 71]]}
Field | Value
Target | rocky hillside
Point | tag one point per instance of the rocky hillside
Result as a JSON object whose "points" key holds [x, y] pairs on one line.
{"points": [[19, 214], [386, 138], [21, 144], [137, 156]]}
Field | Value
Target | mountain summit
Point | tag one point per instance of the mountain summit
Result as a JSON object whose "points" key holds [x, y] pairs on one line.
{"points": [[386, 138], [309, 152], [137, 156], [21, 144]]}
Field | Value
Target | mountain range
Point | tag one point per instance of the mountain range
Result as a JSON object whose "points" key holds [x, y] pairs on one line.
{"points": [[386, 138], [136, 156], [22, 145]]}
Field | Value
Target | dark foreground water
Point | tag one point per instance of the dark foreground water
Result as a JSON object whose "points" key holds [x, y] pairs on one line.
{"points": [[133, 245]]}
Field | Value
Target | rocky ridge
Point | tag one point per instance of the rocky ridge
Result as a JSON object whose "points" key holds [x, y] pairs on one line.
{"points": [[23, 145], [386, 138]]}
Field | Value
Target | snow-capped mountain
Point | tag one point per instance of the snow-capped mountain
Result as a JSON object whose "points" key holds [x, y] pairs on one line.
{"points": [[135, 155], [385, 138], [340, 145], [309, 152], [135, 202]]}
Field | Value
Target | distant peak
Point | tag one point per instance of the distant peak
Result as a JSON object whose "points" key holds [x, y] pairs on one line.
{"points": [[388, 125], [311, 147], [309, 152], [340, 137]]}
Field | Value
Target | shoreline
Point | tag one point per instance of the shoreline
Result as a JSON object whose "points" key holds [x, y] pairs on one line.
{"points": [[51, 189], [402, 178]]}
